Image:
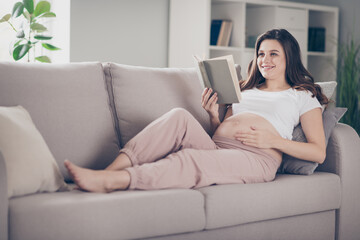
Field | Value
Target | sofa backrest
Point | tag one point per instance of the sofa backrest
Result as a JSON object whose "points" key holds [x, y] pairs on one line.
{"points": [[87, 111], [69, 105], [142, 94]]}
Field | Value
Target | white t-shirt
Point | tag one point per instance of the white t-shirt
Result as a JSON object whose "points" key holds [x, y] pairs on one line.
{"points": [[282, 109]]}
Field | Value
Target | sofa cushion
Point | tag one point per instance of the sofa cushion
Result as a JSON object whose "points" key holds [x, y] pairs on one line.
{"points": [[328, 88], [69, 105], [287, 195], [117, 215], [330, 118], [142, 94], [294, 165], [30, 165]]}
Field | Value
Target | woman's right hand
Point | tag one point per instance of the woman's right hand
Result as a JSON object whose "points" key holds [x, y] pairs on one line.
{"points": [[210, 103]]}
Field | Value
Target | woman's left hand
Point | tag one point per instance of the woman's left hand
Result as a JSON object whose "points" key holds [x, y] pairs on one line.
{"points": [[260, 138]]}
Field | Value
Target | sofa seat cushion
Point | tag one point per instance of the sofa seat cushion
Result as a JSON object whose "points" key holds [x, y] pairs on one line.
{"points": [[287, 195], [69, 105], [118, 215]]}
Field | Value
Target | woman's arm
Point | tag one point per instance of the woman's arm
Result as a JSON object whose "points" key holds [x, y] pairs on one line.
{"points": [[212, 108], [314, 150]]}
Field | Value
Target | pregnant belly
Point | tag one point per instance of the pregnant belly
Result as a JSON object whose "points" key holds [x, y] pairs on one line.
{"points": [[243, 122]]}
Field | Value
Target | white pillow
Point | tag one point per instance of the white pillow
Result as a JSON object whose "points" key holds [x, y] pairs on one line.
{"points": [[328, 88], [29, 163]]}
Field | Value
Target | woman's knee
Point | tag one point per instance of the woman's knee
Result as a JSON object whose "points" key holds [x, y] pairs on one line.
{"points": [[180, 113]]}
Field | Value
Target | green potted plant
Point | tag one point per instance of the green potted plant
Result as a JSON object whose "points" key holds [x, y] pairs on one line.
{"points": [[31, 31], [349, 82]]}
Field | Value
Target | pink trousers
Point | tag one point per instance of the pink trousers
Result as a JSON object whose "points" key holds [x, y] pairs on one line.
{"points": [[174, 151]]}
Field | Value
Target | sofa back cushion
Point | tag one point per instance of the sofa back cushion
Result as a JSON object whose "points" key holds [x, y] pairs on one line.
{"points": [[142, 94], [69, 105]]}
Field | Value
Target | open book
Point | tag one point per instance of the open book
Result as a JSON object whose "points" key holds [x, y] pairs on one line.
{"points": [[220, 75]]}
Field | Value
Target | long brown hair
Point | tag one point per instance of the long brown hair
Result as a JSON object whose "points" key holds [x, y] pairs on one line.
{"points": [[296, 74]]}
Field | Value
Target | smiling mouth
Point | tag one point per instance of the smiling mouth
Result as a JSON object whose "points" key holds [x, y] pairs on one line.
{"points": [[267, 67]]}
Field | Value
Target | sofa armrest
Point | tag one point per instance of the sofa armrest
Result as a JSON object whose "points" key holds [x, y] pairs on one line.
{"points": [[343, 159], [4, 202]]}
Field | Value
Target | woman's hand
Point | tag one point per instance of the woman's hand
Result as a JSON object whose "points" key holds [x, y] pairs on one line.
{"points": [[260, 138], [210, 103]]}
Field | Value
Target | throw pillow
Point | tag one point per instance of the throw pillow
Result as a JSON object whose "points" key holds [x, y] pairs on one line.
{"points": [[297, 166], [29, 163], [328, 88]]}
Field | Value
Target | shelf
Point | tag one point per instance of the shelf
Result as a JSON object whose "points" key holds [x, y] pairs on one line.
{"points": [[249, 50], [222, 48], [321, 54], [251, 18]]}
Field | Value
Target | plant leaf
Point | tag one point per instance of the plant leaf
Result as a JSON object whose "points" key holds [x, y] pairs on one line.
{"points": [[29, 5], [20, 34], [38, 27], [50, 47], [47, 14], [27, 15], [20, 51], [5, 18], [349, 82], [42, 7], [18, 9], [42, 37], [18, 42], [44, 59]]}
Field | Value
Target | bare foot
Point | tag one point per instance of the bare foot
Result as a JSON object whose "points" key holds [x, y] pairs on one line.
{"points": [[97, 180]]}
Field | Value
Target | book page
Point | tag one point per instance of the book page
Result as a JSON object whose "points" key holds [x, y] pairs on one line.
{"points": [[220, 78], [232, 69]]}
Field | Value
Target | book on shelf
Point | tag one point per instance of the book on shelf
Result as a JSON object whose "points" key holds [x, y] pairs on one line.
{"points": [[220, 32], [220, 75], [214, 31], [316, 39]]}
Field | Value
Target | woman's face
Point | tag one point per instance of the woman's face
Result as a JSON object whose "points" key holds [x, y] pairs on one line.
{"points": [[271, 60]]}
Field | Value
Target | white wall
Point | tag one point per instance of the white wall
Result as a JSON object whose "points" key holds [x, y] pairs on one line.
{"points": [[60, 29], [136, 31], [131, 32]]}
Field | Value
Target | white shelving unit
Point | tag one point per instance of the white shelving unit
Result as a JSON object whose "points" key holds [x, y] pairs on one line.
{"points": [[190, 23]]}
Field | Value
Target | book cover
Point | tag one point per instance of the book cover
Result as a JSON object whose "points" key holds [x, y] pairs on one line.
{"points": [[215, 31], [220, 32], [220, 75], [225, 33], [316, 39]]}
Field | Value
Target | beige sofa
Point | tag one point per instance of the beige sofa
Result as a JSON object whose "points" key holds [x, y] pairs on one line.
{"points": [[87, 111]]}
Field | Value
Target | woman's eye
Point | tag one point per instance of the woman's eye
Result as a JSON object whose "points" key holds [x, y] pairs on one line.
{"points": [[273, 54], [261, 54]]}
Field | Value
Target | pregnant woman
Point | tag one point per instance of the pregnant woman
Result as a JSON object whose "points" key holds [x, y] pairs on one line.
{"points": [[174, 151]]}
